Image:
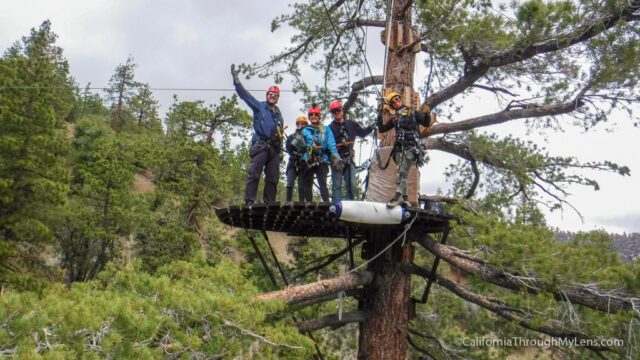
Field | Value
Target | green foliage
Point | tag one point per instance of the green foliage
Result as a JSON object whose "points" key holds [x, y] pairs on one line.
{"points": [[186, 310], [37, 97], [511, 167], [191, 119], [99, 212]]}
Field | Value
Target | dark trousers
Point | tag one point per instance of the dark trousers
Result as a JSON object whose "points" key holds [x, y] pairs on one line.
{"points": [[320, 171], [294, 172], [263, 157]]}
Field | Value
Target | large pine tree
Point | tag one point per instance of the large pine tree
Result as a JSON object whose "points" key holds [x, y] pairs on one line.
{"points": [[36, 98]]}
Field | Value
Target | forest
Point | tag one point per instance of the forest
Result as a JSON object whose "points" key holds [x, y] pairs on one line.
{"points": [[110, 247]]}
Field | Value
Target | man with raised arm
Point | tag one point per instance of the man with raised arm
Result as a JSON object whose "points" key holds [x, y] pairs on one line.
{"points": [[266, 143]]}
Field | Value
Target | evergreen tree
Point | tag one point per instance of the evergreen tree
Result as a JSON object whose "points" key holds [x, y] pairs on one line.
{"points": [[121, 91], [99, 213], [145, 109], [37, 96], [192, 174]]}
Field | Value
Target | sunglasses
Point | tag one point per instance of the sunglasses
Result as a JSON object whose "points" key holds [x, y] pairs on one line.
{"points": [[397, 98], [271, 93], [300, 123], [314, 114], [335, 111]]}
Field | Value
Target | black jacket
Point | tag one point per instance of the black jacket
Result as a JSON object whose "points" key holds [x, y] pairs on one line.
{"points": [[345, 133], [407, 124]]}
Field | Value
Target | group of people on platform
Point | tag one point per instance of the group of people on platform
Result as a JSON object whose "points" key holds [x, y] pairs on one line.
{"points": [[314, 148]]}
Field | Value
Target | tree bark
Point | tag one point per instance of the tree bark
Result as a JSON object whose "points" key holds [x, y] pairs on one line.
{"points": [[383, 335], [298, 294]]}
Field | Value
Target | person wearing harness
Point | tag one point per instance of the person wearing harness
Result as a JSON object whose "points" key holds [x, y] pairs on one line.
{"points": [[266, 142], [296, 147], [344, 132], [320, 142], [406, 150]]}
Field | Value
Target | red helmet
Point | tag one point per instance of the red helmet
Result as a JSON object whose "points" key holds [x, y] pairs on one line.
{"points": [[314, 109], [274, 89], [335, 105]]}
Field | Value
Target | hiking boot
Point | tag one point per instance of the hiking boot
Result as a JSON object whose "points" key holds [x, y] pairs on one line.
{"points": [[405, 201], [394, 201]]}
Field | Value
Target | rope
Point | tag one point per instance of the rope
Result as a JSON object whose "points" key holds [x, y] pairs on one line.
{"points": [[403, 236]]}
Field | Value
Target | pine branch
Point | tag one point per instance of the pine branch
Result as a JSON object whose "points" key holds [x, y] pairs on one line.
{"points": [[500, 308], [591, 29], [358, 86], [258, 336], [500, 117], [592, 297]]}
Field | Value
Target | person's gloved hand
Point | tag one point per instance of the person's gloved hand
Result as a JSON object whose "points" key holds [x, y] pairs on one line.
{"points": [[336, 162], [234, 73]]}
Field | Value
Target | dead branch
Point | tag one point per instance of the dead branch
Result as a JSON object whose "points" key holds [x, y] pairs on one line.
{"points": [[476, 179], [329, 297], [358, 86], [504, 116], [297, 294], [258, 336], [422, 350], [500, 308], [601, 300], [366, 22], [331, 320]]}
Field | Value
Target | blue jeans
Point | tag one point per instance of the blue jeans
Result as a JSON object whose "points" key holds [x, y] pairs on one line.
{"points": [[349, 175]]}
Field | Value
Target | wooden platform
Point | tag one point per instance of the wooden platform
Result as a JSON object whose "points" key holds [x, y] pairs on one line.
{"points": [[317, 220]]}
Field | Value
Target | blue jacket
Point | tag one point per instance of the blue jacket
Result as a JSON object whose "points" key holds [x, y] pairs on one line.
{"points": [[328, 143], [264, 119]]}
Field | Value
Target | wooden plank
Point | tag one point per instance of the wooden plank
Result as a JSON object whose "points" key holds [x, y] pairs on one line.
{"points": [[415, 100], [417, 47]]}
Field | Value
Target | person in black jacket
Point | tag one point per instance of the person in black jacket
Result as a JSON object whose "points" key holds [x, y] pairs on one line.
{"points": [[406, 150], [296, 146], [344, 132]]}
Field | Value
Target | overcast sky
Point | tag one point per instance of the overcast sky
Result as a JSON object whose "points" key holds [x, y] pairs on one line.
{"points": [[191, 44]]}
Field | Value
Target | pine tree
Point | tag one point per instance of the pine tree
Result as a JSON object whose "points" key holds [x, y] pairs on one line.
{"points": [[121, 91], [37, 97]]}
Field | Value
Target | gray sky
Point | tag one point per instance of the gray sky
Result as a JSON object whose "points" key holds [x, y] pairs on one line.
{"points": [[191, 44]]}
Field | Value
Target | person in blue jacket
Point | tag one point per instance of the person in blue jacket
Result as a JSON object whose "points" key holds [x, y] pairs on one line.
{"points": [[321, 146], [266, 143]]}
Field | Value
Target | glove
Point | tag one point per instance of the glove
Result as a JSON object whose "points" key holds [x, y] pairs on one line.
{"points": [[234, 73], [336, 162]]}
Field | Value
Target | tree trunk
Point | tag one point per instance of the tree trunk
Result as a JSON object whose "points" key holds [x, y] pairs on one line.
{"points": [[383, 335], [399, 78], [387, 300]]}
